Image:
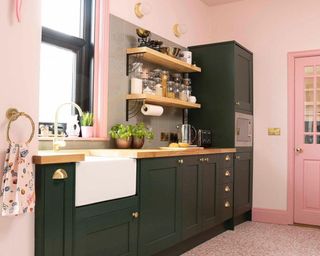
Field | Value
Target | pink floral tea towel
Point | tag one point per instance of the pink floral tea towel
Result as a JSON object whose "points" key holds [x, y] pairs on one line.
{"points": [[17, 192]]}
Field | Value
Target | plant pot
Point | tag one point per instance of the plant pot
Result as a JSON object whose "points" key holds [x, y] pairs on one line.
{"points": [[123, 143], [87, 131], [137, 142]]}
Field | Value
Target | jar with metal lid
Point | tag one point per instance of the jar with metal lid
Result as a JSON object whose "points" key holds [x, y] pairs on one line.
{"points": [[177, 87], [183, 93], [158, 86], [164, 80], [170, 89]]}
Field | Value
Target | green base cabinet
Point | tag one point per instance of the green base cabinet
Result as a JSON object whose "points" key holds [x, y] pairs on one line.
{"points": [[54, 210], [108, 228], [243, 182]]}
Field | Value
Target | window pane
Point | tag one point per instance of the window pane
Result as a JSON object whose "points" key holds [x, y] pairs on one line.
{"points": [[308, 70], [308, 104], [56, 82], [62, 15], [318, 70], [308, 139]]}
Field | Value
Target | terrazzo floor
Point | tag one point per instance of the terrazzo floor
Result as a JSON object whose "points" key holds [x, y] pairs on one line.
{"points": [[260, 239]]}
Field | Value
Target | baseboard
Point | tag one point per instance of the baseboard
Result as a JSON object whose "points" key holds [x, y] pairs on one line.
{"points": [[271, 216]]}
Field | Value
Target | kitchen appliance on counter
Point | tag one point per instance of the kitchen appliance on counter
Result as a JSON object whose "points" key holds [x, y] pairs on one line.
{"points": [[204, 138], [187, 134], [243, 130]]}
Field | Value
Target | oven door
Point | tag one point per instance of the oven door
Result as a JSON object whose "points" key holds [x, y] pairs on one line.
{"points": [[243, 130]]}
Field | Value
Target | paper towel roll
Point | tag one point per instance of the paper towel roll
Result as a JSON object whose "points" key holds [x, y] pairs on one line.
{"points": [[151, 110]]}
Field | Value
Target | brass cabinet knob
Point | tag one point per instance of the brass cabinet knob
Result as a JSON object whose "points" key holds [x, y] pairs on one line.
{"points": [[238, 157], [201, 159], [227, 189], [60, 174], [227, 204], [227, 158], [227, 173], [135, 215], [180, 161], [238, 103]]}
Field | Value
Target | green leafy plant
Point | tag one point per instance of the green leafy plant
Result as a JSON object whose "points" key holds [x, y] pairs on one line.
{"points": [[140, 131], [121, 131], [87, 119]]}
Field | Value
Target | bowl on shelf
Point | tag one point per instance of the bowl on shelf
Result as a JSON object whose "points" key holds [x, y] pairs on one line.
{"points": [[171, 51]]}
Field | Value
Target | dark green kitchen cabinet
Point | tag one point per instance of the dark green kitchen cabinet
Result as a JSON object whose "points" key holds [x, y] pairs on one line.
{"points": [[223, 87], [160, 204], [242, 182], [107, 228], [54, 209]]}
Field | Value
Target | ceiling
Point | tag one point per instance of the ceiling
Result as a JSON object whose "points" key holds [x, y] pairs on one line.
{"points": [[217, 2]]}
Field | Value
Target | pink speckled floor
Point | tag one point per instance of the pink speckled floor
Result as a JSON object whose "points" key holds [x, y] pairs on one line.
{"points": [[260, 239]]}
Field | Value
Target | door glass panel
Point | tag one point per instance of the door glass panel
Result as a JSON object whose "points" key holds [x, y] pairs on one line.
{"points": [[318, 118], [308, 108], [308, 139], [318, 83], [308, 70], [318, 139], [318, 70]]}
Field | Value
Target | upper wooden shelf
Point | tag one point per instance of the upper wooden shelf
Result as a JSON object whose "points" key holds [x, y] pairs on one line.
{"points": [[164, 60], [163, 101]]}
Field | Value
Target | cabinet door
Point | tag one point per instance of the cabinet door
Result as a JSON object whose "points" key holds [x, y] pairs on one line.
{"points": [[160, 205], [191, 196], [54, 210], [106, 229], [243, 80], [242, 182], [210, 196]]}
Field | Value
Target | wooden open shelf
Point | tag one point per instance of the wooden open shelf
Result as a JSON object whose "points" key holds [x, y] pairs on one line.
{"points": [[163, 101], [164, 60]]}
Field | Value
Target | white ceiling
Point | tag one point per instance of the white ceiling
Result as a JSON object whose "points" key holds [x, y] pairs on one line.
{"points": [[217, 2]]}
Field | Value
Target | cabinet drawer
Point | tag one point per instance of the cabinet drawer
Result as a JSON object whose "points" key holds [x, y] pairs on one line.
{"points": [[226, 206], [226, 190], [226, 160], [225, 175]]}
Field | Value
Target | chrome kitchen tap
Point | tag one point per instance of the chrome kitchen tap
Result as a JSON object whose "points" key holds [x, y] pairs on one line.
{"points": [[59, 141]]}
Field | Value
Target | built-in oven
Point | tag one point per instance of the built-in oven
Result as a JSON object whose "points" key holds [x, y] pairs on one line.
{"points": [[243, 130]]}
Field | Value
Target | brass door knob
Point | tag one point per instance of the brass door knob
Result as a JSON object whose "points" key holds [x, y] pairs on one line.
{"points": [[135, 215], [227, 158], [227, 173], [60, 174], [299, 150], [227, 189], [227, 204]]}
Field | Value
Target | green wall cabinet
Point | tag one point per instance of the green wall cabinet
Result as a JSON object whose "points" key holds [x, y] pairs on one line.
{"points": [[54, 209], [243, 182], [223, 87]]}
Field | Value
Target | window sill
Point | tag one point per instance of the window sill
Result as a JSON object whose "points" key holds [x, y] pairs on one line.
{"points": [[75, 139]]}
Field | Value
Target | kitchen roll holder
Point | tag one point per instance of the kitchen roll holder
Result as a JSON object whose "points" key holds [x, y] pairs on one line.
{"points": [[13, 114]]}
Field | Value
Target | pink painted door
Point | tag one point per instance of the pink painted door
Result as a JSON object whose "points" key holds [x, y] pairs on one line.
{"points": [[307, 141]]}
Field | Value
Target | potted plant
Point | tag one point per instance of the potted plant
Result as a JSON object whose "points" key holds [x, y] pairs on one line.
{"points": [[87, 125], [139, 133], [122, 135]]}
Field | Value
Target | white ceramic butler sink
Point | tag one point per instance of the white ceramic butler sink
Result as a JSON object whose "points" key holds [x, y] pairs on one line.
{"points": [[104, 178]]}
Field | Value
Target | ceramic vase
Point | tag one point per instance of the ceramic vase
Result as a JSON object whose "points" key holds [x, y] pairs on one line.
{"points": [[137, 143], [123, 143], [87, 131]]}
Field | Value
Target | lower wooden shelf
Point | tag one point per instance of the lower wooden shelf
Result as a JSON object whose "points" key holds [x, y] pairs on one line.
{"points": [[163, 101]]}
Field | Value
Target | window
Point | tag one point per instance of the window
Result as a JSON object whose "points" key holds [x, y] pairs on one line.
{"points": [[66, 66]]}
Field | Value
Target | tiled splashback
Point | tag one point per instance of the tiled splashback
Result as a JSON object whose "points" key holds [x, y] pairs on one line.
{"points": [[123, 36]]}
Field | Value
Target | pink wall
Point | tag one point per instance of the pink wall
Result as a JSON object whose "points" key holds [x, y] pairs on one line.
{"points": [[19, 65], [271, 29], [164, 15]]}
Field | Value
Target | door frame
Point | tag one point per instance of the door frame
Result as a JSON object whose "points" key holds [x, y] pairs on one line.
{"points": [[292, 56]]}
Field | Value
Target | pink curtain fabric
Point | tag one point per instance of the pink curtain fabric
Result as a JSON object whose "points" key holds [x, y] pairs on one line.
{"points": [[17, 192]]}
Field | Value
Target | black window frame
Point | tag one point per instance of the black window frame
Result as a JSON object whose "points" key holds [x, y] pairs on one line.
{"points": [[83, 47]]}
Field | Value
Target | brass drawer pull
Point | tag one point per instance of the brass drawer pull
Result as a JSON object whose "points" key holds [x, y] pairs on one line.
{"points": [[227, 189], [180, 161], [60, 174], [238, 103], [227, 173], [135, 215], [206, 159], [201, 159], [227, 204], [227, 158]]}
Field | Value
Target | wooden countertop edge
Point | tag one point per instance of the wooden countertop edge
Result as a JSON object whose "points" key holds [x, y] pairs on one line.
{"points": [[57, 159]]}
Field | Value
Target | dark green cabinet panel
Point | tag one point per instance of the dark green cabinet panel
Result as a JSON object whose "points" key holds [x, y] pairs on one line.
{"points": [[191, 196], [107, 229], [160, 205], [243, 80], [210, 192], [54, 211], [242, 182]]}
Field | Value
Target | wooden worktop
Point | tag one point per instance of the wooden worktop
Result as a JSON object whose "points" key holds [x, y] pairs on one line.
{"points": [[67, 156]]}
